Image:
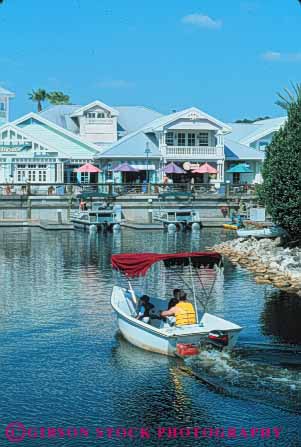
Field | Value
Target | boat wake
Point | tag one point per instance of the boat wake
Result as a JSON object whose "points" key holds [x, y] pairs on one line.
{"points": [[276, 383]]}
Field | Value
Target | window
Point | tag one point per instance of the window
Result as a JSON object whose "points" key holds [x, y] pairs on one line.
{"points": [[169, 138], [42, 176], [2, 106], [100, 115], [21, 176], [203, 138], [181, 139], [85, 177], [191, 139], [31, 176], [236, 178], [21, 166], [32, 166], [91, 115], [263, 145]]}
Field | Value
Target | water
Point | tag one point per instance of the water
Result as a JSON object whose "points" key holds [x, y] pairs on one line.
{"points": [[64, 364]]}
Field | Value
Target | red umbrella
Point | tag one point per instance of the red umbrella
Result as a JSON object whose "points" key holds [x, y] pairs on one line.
{"points": [[206, 168], [88, 168]]}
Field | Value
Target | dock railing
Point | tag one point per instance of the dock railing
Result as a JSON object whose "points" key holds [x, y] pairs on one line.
{"points": [[72, 190]]}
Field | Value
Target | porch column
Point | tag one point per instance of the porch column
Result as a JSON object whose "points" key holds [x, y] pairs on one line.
{"points": [[220, 170], [60, 172]]}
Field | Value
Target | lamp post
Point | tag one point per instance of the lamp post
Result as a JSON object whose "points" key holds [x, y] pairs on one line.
{"points": [[147, 152]]}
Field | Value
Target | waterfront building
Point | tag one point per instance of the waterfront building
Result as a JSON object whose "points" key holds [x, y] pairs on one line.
{"points": [[49, 146], [5, 97]]}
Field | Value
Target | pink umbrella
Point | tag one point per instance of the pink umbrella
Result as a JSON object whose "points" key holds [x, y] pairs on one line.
{"points": [[88, 168], [206, 168]]}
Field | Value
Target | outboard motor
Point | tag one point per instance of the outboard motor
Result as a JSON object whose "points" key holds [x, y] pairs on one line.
{"points": [[218, 338]]}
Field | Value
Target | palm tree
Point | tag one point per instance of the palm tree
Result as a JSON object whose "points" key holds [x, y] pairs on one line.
{"points": [[38, 96], [285, 101], [58, 98]]}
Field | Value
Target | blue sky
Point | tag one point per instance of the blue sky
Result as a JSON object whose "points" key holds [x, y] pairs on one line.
{"points": [[227, 57]]}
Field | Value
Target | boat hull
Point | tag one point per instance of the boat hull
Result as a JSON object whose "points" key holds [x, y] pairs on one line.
{"points": [[150, 338], [262, 233]]}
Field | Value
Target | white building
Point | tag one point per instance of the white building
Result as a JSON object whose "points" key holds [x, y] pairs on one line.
{"points": [[47, 147], [5, 97]]}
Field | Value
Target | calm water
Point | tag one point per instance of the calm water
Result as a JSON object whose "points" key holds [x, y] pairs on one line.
{"points": [[64, 364]]}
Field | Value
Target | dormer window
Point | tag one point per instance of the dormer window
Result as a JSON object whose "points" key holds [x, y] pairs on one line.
{"points": [[96, 115]]}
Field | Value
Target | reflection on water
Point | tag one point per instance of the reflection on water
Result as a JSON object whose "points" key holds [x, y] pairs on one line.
{"points": [[63, 361], [281, 317]]}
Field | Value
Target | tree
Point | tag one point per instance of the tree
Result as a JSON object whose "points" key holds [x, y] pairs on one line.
{"points": [[38, 96], [281, 188], [58, 98], [248, 121]]}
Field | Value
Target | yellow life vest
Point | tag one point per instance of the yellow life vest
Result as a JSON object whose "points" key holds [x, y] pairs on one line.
{"points": [[185, 313]]}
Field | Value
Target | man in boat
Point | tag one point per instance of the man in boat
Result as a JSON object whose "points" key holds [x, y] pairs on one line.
{"points": [[144, 309], [183, 311]]}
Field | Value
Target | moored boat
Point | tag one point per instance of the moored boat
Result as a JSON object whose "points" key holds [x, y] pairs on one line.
{"points": [[160, 335], [181, 217], [99, 215], [270, 232]]}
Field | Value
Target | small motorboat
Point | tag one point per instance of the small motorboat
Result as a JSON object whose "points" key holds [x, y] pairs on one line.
{"points": [[271, 232], [99, 215], [181, 217], [159, 335]]}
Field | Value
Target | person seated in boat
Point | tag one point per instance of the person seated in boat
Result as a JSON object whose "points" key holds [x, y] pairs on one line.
{"points": [[145, 309], [183, 311], [171, 303], [175, 299]]}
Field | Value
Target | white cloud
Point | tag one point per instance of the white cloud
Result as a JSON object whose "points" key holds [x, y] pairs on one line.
{"points": [[115, 83], [202, 21], [276, 56]]}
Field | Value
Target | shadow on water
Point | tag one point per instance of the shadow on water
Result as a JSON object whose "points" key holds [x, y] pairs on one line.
{"points": [[281, 316]]}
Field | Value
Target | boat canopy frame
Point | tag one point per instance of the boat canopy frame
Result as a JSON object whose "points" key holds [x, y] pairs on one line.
{"points": [[135, 265]]}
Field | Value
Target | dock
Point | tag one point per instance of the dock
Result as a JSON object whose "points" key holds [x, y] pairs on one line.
{"points": [[142, 226], [43, 224]]}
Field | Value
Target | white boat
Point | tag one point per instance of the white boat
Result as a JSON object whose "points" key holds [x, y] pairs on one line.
{"points": [[98, 216], [181, 217], [158, 335], [269, 232]]}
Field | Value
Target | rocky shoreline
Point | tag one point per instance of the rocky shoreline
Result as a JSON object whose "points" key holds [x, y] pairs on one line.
{"points": [[268, 260]]}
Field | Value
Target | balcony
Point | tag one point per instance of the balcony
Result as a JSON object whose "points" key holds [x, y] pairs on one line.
{"points": [[192, 152]]}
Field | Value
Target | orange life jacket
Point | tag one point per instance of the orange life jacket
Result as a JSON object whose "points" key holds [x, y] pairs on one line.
{"points": [[185, 313]]}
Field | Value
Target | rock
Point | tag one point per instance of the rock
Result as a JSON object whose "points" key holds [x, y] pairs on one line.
{"points": [[281, 284], [273, 266], [262, 280], [261, 270]]}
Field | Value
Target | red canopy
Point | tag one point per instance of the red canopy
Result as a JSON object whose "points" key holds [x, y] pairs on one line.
{"points": [[138, 264], [88, 168]]}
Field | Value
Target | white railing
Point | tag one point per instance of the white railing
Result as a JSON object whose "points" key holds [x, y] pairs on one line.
{"points": [[14, 142], [192, 152]]}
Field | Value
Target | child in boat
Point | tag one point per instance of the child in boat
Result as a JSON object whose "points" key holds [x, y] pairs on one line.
{"points": [[145, 309]]}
